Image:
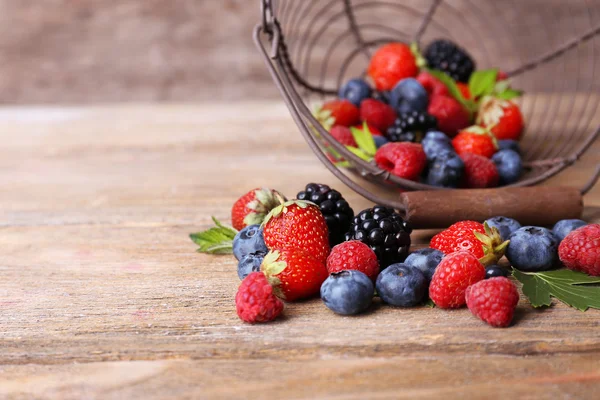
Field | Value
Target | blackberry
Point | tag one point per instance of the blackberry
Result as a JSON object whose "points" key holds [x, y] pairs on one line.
{"points": [[411, 127], [385, 231], [448, 57], [335, 209]]}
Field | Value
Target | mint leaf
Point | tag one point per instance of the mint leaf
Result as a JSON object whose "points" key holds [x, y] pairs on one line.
{"points": [[482, 82], [454, 91], [570, 287], [216, 240], [364, 139], [508, 94], [359, 153]]}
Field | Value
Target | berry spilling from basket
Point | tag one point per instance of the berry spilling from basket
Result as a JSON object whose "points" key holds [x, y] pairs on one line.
{"points": [[315, 245], [409, 96]]}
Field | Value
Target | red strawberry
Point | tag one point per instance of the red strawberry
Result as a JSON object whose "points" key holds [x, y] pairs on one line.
{"points": [[255, 300], [493, 300], [455, 273], [253, 207], [502, 117], [473, 237], [374, 131], [297, 225], [403, 159], [296, 273], [377, 114], [450, 114], [343, 135], [353, 255], [432, 85], [464, 90], [480, 172], [475, 140], [390, 64], [343, 112], [580, 250]]}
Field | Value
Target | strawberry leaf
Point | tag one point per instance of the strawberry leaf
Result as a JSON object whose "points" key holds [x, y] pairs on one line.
{"points": [[216, 240], [454, 91], [359, 153], [508, 94], [482, 82], [575, 289], [364, 140]]}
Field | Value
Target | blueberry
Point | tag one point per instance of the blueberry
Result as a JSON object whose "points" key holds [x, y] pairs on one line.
{"points": [[426, 260], [505, 225], [434, 143], [566, 226], [347, 292], [533, 249], [445, 170], [401, 285], [493, 271], [508, 144], [409, 95], [509, 165], [379, 141], [250, 263], [355, 91], [249, 240]]}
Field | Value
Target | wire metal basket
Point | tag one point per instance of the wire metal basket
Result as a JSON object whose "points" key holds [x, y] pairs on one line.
{"points": [[312, 47]]}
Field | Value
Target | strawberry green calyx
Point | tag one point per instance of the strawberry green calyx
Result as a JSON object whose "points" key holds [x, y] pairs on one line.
{"points": [[271, 267], [493, 246], [419, 59], [265, 200], [325, 118], [282, 208]]}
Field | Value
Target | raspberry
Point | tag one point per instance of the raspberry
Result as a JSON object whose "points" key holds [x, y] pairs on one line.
{"points": [[390, 64], [344, 112], [450, 114], [580, 250], [404, 159], [455, 273], [493, 300], [255, 300], [343, 135], [353, 255], [480, 172], [432, 85], [377, 114]]}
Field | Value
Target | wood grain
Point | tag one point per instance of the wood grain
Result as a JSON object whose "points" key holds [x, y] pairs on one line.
{"points": [[103, 296]]}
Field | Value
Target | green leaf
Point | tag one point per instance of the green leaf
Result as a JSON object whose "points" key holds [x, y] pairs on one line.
{"points": [[570, 287], [509, 94], [429, 303], [364, 139], [359, 153], [216, 240], [482, 82], [343, 164], [454, 91]]}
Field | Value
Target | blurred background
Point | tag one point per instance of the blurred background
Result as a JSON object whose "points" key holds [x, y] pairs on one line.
{"points": [[100, 51]]}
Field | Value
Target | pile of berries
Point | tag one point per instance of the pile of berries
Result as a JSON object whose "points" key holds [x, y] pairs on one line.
{"points": [[432, 117], [293, 250]]}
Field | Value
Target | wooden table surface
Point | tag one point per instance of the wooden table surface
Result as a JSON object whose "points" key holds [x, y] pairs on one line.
{"points": [[102, 295]]}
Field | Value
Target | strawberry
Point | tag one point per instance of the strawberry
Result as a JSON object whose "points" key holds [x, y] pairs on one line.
{"points": [[432, 85], [390, 64], [464, 90], [404, 159], [253, 207], [454, 274], [480, 172], [502, 117], [475, 140], [493, 300], [377, 114], [374, 131], [481, 240], [450, 114], [294, 273], [343, 112], [580, 250], [297, 224], [343, 135]]}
